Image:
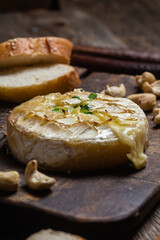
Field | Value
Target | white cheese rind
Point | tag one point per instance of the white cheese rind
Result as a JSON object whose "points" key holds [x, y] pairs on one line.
{"points": [[70, 139]]}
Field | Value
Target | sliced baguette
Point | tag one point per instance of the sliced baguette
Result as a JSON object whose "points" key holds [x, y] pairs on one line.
{"points": [[22, 83], [29, 51], [78, 131], [49, 234]]}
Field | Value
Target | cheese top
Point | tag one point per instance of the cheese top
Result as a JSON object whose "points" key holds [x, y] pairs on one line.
{"points": [[79, 115]]}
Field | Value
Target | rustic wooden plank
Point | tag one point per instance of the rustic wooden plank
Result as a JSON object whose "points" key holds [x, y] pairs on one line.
{"points": [[135, 24], [149, 228], [81, 71], [97, 81], [100, 201], [97, 23], [74, 24], [9, 5]]}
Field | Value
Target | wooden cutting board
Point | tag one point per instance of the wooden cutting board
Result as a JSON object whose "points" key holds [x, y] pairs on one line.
{"points": [[113, 200]]}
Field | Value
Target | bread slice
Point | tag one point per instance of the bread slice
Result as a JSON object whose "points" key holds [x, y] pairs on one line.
{"points": [[29, 51], [49, 234], [78, 131], [23, 83]]}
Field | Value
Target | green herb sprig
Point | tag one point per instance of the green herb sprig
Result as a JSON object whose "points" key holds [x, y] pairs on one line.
{"points": [[86, 109], [77, 97], [92, 96]]}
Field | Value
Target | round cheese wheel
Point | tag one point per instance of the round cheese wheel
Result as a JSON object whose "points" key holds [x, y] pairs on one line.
{"points": [[78, 131]]}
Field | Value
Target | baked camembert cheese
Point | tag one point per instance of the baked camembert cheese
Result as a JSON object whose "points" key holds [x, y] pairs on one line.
{"points": [[78, 131]]}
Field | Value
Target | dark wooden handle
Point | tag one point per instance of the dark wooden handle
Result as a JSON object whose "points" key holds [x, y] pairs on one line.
{"points": [[123, 54], [98, 63]]}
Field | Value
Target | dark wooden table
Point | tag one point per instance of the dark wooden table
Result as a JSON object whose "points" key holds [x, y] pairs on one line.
{"points": [[115, 24]]}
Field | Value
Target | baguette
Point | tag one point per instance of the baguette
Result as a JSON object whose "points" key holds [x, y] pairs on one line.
{"points": [[53, 235], [30, 51], [23, 83], [78, 131]]}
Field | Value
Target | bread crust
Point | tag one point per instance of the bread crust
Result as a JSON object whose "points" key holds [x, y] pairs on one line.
{"points": [[48, 234], [66, 82], [29, 51], [37, 136]]}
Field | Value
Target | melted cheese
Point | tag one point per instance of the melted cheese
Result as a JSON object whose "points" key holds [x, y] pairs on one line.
{"points": [[105, 117]]}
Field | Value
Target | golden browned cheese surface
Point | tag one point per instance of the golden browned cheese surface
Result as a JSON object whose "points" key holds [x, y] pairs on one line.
{"points": [[79, 129]]}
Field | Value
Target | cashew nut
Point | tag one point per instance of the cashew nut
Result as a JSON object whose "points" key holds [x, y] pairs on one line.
{"points": [[145, 77], [146, 101], [102, 92], [9, 181], [147, 88], [36, 180], [152, 88], [115, 91], [156, 114]]}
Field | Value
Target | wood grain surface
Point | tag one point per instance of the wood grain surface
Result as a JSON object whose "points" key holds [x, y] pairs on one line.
{"points": [[98, 23], [106, 201], [116, 24]]}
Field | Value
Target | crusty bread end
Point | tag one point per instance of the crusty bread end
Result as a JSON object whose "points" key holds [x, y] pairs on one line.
{"points": [[29, 51]]}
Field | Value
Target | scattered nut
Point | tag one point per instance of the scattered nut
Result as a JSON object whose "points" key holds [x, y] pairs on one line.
{"points": [[152, 88], [11, 54], [156, 114], [146, 101], [4, 133], [115, 91], [9, 181], [156, 88], [102, 92], [36, 180], [145, 77], [147, 88]]}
